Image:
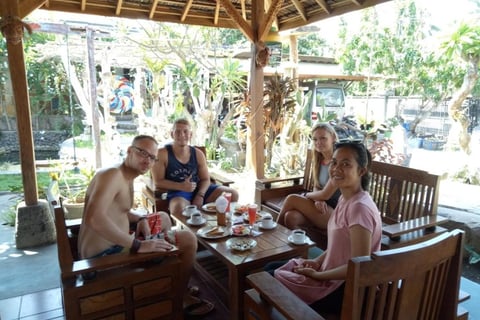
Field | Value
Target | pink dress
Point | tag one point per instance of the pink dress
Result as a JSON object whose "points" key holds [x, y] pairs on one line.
{"points": [[359, 210]]}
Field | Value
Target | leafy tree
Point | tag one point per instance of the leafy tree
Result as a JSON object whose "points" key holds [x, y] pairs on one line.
{"points": [[465, 45], [400, 55]]}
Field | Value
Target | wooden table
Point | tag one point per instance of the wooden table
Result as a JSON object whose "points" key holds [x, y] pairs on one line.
{"points": [[272, 245]]}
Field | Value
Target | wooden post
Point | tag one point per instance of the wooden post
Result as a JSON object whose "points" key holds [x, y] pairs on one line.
{"points": [[12, 30], [257, 137]]}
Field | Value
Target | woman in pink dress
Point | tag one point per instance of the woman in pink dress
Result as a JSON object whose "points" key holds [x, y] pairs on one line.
{"points": [[314, 208], [354, 229]]}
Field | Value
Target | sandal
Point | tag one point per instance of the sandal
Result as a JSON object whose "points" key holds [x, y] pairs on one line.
{"points": [[198, 307]]}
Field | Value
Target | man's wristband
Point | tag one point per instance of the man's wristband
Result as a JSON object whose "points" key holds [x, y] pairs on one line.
{"points": [[141, 218], [135, 246]]}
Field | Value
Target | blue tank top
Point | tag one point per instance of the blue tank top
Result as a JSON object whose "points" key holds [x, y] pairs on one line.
{"points": [[177, 171]]}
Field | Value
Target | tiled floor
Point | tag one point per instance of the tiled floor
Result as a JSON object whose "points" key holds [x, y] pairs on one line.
{"points": [[40, 305]]}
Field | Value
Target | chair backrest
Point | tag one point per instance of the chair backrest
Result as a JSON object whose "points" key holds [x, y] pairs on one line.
{"points": [[420, 281], [401, 194], [308, 181]]}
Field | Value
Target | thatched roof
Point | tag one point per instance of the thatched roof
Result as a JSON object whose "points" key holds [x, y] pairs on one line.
{"points": [[238, 14]]}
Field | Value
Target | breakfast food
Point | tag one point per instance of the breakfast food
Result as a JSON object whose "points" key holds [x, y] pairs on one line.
{"points": [[241, 209], [211, 207], [216, 231], [240, 230]]}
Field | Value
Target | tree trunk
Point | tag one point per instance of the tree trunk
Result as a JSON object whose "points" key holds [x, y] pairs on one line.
{"points": [[455, 109]]}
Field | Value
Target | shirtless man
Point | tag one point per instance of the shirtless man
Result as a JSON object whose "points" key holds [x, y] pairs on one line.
{"points": [[183, 171], [107, 214]]}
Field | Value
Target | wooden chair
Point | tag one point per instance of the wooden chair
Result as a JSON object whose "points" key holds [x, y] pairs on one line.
{"points": [[154, 199], [407, 198], [125, 286], [419, 281]]}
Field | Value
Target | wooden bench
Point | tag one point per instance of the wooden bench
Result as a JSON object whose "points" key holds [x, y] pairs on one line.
{"points": [[407, 199], [156, 199], [379, 285], [125, 286]]}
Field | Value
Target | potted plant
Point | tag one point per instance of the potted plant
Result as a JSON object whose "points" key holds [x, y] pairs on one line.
{"points": [[71, 188]]}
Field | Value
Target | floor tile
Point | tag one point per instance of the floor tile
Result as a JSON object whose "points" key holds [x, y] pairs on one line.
{"points": [[40, 302], [49, 315], [10, 308]]}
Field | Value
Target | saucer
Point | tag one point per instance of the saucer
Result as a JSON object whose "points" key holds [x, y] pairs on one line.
{"points": [[298, 243], [274, 225], [190, 222]]}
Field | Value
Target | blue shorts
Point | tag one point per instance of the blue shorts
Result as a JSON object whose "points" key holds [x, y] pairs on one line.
{"points": [[190, 195], [109, 251]]}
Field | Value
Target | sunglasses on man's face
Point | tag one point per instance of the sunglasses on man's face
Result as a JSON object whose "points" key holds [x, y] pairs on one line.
{"points": [[144, 154]]}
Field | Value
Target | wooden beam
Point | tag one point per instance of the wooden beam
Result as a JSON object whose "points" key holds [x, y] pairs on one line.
{"points": [[188, 5], [358, 2], [324, 5], [265, 27], [152, 9], [217, 13], [301, 10], [118, 9], [239, 22], [256, 157], [83, 5], [244, 10], [28, 6], [12, 30]]}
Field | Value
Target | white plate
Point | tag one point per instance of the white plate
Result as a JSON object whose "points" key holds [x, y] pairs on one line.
{"points": [[203, 232], [298, 243], [259, 216], [190, 222], [209, 207], [240, 230], [241, 244], [274, 225]]}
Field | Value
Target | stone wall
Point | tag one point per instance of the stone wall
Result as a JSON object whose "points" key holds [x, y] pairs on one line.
{"points": [[43, 140]]}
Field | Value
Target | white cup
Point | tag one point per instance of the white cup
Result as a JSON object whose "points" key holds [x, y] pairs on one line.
{"points": [[196, 217], [190, 209], [298, 236], [267, 221]]}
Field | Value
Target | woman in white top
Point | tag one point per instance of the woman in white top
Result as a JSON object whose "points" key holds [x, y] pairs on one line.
{"points": [[314, 208]]}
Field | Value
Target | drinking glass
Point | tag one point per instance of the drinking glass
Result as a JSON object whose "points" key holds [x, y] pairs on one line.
{"points": [[252, 215]]}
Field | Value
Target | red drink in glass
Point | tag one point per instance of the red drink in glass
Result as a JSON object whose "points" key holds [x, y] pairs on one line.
{"points": [[252, 214]]}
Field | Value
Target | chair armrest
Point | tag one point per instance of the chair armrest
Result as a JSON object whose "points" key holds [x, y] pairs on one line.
{"points": [[219, 179], [394, 231], [113, 261], [282, 182], [277, 295]]}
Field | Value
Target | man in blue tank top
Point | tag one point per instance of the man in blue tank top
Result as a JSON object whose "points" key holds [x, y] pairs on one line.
{"points": [[182, 170]]}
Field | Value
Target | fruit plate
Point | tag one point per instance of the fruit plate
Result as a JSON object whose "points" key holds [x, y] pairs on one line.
{"points": [[241, 244], [240, 230]]}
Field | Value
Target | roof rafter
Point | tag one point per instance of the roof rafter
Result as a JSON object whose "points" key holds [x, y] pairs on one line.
{"points": [[238, 20], [188, 5], [300, 9]]}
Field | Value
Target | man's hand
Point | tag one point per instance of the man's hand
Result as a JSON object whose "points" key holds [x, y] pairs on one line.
{"points": [[143, 228], [155, 245], [189, 185]]}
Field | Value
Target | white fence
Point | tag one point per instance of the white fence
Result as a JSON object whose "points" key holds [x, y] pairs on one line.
{"points": [[381, 108]]}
